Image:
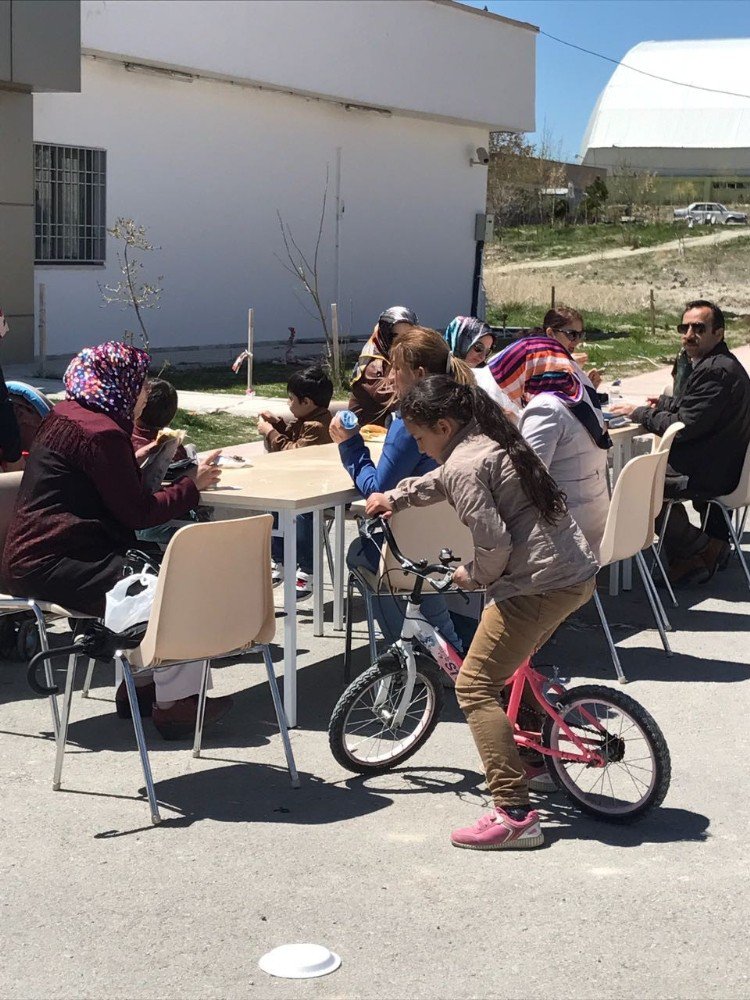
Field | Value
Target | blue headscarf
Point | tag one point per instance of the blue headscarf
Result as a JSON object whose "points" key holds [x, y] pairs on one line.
{"points": [[464, 331]]}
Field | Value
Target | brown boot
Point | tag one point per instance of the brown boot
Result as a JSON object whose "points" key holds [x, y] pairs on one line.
{"points": [[683, 572], [716, 555], [146, 697], [178, 722]]}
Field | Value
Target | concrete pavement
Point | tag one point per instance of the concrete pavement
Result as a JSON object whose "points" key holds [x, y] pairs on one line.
{"points": [[96, 902]]}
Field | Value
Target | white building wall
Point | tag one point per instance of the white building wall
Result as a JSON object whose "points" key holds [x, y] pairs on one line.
{"points": [[425, 57], [205, 165]]}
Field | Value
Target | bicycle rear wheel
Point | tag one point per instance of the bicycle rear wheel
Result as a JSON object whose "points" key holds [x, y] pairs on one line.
{"points": [[361, 733], [637, 770]]}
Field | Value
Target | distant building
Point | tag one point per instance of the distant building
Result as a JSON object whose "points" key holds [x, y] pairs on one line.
{"points": [[201, 119], [699, 140]]}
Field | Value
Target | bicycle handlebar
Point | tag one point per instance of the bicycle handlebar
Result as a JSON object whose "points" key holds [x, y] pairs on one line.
{"points": [[419, 568]]}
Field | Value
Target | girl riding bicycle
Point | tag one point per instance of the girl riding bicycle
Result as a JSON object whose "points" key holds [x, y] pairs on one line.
{"points": [[529, 555]]}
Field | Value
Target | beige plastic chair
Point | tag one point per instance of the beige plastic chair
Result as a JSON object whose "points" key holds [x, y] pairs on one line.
{"points": [[736, 501], [662, 445], [630, 529], [214, 597], [420, 533], [42, 610]]}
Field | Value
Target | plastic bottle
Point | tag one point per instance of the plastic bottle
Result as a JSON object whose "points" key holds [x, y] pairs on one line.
{"points": [[348, 420]]}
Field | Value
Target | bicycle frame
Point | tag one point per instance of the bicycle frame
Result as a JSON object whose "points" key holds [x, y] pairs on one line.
{"points": [[417, 629]]}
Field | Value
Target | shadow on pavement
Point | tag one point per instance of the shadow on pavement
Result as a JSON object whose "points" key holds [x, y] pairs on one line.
{"points": [[257, 793]]}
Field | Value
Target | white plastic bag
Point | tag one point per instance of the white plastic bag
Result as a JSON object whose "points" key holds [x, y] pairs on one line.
{"points": [[129, 602]]}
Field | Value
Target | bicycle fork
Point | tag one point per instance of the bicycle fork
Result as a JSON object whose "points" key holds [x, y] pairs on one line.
{"points": [[395, 719]]}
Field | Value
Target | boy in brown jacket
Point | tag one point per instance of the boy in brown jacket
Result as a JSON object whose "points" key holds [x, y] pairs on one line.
{"points": [[310, 393]]}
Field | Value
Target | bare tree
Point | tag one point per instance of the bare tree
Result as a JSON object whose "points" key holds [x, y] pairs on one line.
{"points": [[131, 292], [306, 270]]}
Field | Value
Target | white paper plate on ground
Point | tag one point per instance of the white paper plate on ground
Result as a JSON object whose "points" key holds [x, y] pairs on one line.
{"points": [[299, 961]]}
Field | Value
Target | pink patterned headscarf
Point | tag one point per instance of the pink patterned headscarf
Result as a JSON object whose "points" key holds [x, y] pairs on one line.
{"points": [[107, 378]]}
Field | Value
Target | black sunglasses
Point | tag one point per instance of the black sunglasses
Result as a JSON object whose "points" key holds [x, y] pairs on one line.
{"points": [[480, 349], [699, 328], [572, 334]]}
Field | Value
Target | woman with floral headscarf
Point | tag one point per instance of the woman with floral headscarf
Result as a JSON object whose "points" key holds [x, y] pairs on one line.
{"points": [[563, 422], [469, 339], [81, 501]]}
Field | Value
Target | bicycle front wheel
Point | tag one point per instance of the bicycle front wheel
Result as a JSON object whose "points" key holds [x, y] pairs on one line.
{"points": [[636, 772], [362, 733]]}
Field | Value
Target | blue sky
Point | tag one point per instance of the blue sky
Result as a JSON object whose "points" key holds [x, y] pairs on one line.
{"points": [[569, 82]]}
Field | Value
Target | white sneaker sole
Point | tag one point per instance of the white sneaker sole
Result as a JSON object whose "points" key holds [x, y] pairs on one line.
{"points": [[542, 783], [535, 838]]}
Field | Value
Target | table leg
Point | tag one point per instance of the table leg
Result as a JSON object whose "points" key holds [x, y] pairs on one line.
{"points": [[339, 566], [288, 526], [318, 595]]}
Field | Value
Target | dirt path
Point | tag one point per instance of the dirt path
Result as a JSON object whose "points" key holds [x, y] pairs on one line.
{"points": [[722, 236]]}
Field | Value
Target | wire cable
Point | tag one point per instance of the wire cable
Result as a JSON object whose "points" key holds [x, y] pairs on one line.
{"points": [[644, 72]]}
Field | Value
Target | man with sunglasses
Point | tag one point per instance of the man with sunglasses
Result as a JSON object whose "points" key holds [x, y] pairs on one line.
{"points": [[707, 456]]}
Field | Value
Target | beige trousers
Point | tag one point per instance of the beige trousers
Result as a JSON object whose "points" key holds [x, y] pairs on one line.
{"points": [[508, 633]]}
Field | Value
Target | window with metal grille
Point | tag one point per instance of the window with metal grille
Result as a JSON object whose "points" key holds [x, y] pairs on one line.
{"points": [[70, 204]]}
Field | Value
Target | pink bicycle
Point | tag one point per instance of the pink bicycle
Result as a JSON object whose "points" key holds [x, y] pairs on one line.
{"points": [[600, 746]]}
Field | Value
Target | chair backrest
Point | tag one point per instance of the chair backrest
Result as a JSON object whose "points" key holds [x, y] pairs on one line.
{"points": [[9, 484], [630, 523], [420, 533], [740, 495], [661, 446], [664, 443], [214, 593]]}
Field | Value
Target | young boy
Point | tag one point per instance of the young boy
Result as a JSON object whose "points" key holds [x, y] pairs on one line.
{"points": [[159, 412], [310, 393]]}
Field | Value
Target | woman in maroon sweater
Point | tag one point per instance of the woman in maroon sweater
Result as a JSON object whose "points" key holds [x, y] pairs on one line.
{"points": [[81, 501]]}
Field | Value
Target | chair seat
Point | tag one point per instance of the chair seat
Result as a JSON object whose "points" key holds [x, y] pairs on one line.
{"points": [[46, 607]]}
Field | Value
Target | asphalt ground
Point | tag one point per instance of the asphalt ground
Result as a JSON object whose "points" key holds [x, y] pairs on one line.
{"points": [[98, 903]]}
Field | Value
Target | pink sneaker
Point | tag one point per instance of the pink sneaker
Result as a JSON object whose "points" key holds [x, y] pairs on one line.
{"points": [[498, 832], [539, 779]]}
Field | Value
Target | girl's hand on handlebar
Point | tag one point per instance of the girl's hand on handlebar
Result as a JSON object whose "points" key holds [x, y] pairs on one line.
{"points": [[462, 580], [378, 504]]}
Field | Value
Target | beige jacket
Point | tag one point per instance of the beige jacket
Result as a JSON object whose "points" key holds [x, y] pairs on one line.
{"points": [[515, 550]]}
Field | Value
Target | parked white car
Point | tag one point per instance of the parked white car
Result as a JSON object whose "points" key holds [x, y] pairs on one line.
{"points": [[710, 213]]}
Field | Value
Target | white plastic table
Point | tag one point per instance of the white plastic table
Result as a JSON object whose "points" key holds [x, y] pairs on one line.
{"points": [[291, 483]]}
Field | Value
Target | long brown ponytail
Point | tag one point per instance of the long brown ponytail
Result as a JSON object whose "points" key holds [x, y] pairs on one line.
{"points": [[439, 396]]}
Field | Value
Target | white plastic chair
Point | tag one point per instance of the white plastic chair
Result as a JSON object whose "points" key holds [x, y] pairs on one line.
{"points": [[214, 597], [420, 533], [732, 503], [662, 445], [629, 530]]}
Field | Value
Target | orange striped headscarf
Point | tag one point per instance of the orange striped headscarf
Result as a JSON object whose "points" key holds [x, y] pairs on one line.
{"points": [[533, 365]]}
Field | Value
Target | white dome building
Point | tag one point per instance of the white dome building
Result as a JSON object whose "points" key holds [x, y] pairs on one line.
{"points": [[647, 124]]}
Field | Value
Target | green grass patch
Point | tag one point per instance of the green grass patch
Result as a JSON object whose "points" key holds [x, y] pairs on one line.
{"points": [[269, 378], [216, 430], [639, 350], [547, 243]]}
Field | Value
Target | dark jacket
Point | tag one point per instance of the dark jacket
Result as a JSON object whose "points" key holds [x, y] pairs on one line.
{"points": [[288, 434], [10, 435], [715, 408], [372, 394], [79, 504]]}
